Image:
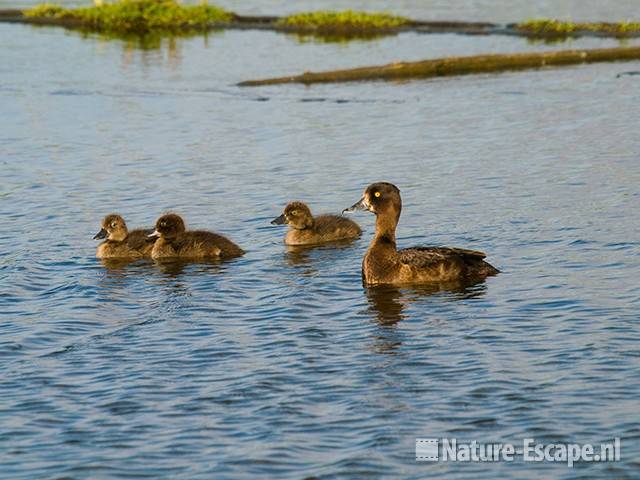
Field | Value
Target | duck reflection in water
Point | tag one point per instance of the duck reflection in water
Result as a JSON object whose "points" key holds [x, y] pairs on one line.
{"points": [[388, 303], [120, 265], [123, 268], [177, 267], [307, 254]]}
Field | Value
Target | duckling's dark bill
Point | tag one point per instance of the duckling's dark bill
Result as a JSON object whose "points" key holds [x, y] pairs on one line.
{"points": [[360, 205], [281, 220], [101, 234]]}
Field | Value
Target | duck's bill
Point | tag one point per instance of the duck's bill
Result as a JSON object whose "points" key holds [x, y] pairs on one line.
{"points": [[360, 205], [154, 234], [101, 234], [281, 220]]}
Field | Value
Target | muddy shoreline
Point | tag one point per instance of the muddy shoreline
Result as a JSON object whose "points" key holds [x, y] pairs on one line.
{"points": [[244, 22]]}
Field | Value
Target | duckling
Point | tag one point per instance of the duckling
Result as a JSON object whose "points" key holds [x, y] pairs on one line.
{"points": [[120, 243], [384, 264], [174, 241], [309, 230]]}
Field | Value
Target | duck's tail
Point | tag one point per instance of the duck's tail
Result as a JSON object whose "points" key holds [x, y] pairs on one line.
{"points": [[485, 269]]}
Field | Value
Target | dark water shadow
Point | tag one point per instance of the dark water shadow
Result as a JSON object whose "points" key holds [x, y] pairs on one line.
{"points": [[550, 39], [123, 268], [631, 73], [153, 40], [176, 268], [329, 37], [388, 303], [117, 266], [296, 255]]}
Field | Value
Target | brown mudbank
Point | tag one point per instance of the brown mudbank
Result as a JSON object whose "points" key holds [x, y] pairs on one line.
{"points": [[309, 230]]}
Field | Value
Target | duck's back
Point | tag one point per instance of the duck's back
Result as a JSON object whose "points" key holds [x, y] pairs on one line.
{"points": [[202, 244], [445, 264], [334, 225], [326, 228], [139, 240]]}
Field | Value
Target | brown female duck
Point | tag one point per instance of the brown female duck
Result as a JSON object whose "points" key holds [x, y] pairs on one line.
{"points": [[384, 264], [121, 243], [309, 230], [175, 241]]}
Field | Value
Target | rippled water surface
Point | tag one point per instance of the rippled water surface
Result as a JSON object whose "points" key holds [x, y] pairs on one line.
{"points": [[280, 364]]}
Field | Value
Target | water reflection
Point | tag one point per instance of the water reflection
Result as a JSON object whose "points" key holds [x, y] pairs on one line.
{"points": [[118, 266], [296, 255], [149, 48], [122, 268], [388, 303], [324, 37], [176, 268]]}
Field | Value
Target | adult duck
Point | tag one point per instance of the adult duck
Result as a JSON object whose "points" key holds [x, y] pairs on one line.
{"points": [[385, 264]]}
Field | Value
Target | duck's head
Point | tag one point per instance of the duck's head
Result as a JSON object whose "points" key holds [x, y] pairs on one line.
{"points": [[379, 198], [297, 215], [113, 228], [169, 226]]}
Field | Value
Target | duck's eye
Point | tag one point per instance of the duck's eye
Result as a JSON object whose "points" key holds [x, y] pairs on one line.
{"points": [[293, 213], [113, 225], [163, 224], [377, 194]]}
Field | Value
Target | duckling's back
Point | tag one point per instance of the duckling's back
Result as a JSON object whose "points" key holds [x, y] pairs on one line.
{"points": [[326, 228], [199, 243], [139, 241], [336, 227]]}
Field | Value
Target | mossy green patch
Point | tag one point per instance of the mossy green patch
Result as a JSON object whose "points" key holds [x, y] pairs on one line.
{"points": [[136, 16], [347, 20], [49, 10], [550, 27]]}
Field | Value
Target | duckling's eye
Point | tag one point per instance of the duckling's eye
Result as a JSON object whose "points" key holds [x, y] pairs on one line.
{"points": [[113, 224], [163, 224], [377, 194], [294, 213]]}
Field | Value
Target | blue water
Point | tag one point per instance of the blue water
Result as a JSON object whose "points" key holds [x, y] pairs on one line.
{"points": [[280, 364]]}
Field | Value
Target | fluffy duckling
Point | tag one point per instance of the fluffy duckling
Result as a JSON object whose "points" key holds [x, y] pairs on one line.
{"points": [[174, 241], [309, 230], [384, 264], [121, 243]]}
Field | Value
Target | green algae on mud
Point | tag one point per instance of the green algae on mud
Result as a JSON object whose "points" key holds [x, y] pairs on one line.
{"points": [[143, 16], [453, 66], [347, 21], [545, 27], [133, 16]]}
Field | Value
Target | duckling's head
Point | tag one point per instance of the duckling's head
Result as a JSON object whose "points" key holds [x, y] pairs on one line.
{"points": [[113, 228], [297, 215], [169, 226], [379, 198]]}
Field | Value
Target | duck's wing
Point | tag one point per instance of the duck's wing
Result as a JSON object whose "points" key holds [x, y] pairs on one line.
{"points": [[428, 256], [209, 244], [139, 238]]}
